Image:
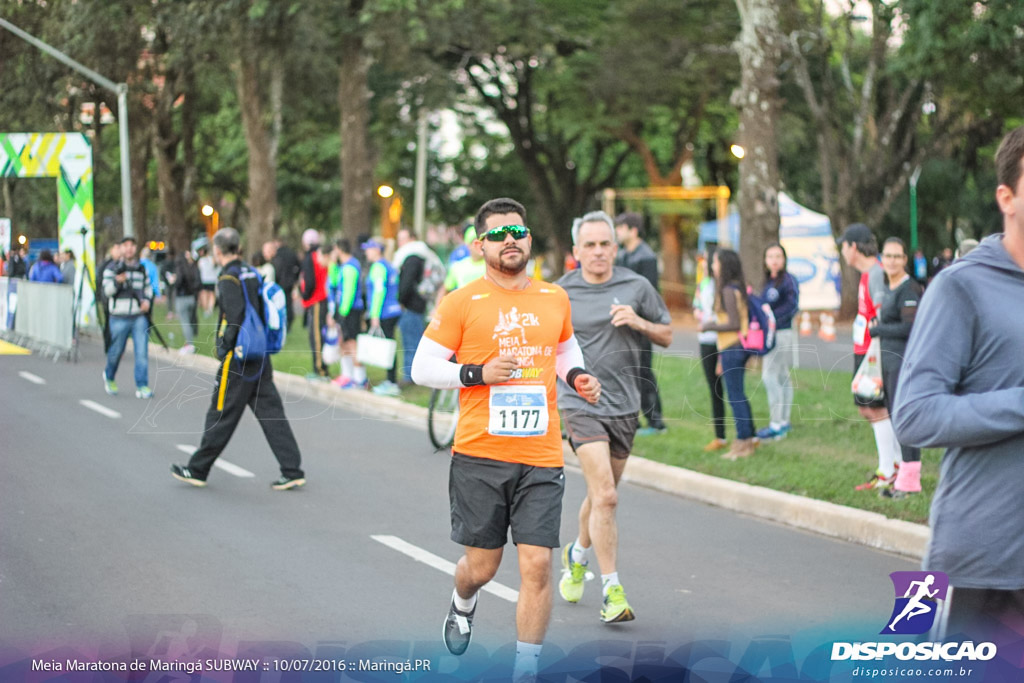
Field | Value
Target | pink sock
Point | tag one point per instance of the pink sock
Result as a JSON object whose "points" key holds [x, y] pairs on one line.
{"points": [[909, 477]]}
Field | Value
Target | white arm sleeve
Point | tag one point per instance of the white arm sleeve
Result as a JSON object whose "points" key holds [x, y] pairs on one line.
{"points": [[431, 367], [569, 356]]}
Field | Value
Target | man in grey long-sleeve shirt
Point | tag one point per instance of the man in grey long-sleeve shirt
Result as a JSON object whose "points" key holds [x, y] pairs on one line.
{"points": [[962, 389]]}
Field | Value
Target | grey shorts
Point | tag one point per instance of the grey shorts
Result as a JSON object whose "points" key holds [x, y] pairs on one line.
{"points": [[583, 428], [489, 496]]}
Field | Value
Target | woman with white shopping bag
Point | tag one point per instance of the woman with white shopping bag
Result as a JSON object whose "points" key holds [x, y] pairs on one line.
{"points": [[382, 313], [892, 328]]}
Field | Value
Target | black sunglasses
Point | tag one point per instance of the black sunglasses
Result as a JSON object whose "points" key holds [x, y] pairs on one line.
{"points": [[518, 232]]}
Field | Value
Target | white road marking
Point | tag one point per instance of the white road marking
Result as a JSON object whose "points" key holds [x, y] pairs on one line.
{"points": [[35, 379], [102, 410], [228, 467], [429, 558]]}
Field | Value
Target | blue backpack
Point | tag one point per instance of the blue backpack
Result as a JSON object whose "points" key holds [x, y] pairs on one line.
{"points": [[258, 337], [760, 337]]}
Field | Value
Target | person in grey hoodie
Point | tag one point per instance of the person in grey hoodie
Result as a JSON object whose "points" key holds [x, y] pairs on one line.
{"points": [[962, 389]]}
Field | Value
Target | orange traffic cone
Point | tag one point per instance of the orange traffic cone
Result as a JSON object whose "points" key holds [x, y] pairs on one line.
{"points": [[827, 331], [805, 324]]}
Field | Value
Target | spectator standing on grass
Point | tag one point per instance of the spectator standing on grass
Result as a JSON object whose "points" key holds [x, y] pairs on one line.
{"points": [[962, 389], [782, 293], [704, 309], [208, 271], [411, 260], [860, 250], [382, 307], [892, 328], [637, 256], [287, 268], [346, 305], [184, 282], [313, 290], [730, 322], [152, 272]]}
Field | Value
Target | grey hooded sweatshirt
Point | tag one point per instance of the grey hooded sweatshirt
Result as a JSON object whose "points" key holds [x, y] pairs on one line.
{"points": [[962, 389]]}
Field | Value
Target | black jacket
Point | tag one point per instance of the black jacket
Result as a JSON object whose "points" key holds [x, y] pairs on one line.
{"points": [[232, 304], [187, 282], [286, 268], [895, 318], [409, 278]]}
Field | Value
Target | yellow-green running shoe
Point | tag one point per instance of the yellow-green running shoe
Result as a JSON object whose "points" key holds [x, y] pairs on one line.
{"points": [[573, 576], [616, 608]]}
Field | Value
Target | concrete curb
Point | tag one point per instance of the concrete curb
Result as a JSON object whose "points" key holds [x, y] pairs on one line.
{"points": [[837, 521]]}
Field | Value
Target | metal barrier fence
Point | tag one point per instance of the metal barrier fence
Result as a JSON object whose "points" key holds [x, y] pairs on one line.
{"points": [[37, 314]]}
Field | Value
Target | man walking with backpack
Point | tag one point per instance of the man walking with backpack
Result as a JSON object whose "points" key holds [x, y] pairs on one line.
{"points": [[241, 383]]}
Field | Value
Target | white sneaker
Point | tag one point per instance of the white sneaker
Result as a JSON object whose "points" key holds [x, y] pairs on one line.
{"points": [[187, 349]]}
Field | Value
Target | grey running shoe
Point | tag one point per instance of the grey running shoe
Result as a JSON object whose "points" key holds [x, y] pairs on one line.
{"points": [[458, 629]]}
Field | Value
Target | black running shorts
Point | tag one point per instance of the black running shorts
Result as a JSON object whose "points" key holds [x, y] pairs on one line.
{"points": [[618, 431], [489, 496], [351, 325], [860, 402]]}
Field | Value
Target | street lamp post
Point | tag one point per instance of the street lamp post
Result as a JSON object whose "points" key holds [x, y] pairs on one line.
{"points": [[386, 194], [121, 89], [212, 221], [913, 208]]}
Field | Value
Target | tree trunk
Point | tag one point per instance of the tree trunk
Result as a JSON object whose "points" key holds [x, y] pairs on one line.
{"points": [[175, 178], [259, 138], [357, 153], [140, 133], [759, 48], [673, 290]]}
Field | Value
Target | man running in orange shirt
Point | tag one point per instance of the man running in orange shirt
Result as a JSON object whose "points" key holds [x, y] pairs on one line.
{"points": [[512, 336]]}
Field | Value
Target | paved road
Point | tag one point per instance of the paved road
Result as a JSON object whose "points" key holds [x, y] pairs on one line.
{"points": [[99, 545]]}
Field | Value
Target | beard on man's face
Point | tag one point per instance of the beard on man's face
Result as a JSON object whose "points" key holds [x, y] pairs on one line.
{"points": [[509, 260]]}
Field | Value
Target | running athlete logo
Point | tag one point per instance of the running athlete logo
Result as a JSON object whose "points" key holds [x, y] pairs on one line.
{"points": [[512, 321], [918, 595]]}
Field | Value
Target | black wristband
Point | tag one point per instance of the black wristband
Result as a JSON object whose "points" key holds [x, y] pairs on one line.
{"points": [[570, 377], [472, 375]]}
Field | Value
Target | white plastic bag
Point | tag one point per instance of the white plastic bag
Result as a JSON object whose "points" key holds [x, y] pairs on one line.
{"points": [[867, 382], [373, 348]]}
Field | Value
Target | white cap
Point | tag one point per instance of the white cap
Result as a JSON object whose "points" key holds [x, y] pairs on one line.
{"points": [[310, 237]]}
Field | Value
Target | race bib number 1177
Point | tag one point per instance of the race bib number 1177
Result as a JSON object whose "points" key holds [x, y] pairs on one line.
{"points": [[518, 411]]}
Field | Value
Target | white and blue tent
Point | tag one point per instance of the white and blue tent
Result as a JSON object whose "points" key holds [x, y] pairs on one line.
{"points": [[811, 249]]}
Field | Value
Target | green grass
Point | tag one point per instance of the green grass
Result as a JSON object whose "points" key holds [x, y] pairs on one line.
{"points": [[830, 450]]}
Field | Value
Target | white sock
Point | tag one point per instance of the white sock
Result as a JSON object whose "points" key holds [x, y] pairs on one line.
{"points": [[463, 605], [527, 657], [888, 446], [609, 580], [775, 426], [359, 374], [897, 448], [578, 553], [348, 366]]}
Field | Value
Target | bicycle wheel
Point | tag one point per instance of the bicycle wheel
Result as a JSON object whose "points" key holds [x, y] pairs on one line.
{"points": [[442, 417]]}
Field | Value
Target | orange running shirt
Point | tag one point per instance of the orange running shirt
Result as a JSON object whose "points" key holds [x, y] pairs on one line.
{"points": [[508, 421]]}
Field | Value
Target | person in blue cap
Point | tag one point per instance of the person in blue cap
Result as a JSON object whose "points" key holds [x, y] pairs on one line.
{"points": [[382, 307]]}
